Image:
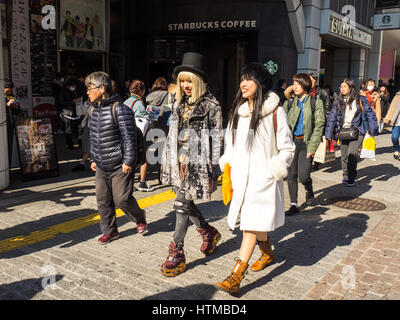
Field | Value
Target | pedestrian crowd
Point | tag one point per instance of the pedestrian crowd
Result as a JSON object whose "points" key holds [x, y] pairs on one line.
{"points": [[277, 129]]}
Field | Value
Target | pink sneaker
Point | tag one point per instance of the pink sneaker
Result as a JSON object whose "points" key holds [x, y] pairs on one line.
{"points": [[106, 238], [142, 227]]}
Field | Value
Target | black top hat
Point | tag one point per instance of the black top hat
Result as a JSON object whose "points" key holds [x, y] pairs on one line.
{"points": [[193, 62]]}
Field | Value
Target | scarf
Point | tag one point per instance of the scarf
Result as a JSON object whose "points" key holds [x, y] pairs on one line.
{"points": [[368, 94]]}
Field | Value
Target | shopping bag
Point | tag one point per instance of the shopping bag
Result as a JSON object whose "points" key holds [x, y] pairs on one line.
{"points": [[142, 124], [368, 148], [227, 191], [324, 153]]}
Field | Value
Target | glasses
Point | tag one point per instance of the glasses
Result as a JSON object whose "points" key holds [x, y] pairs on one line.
{"points": [[91, 89]]}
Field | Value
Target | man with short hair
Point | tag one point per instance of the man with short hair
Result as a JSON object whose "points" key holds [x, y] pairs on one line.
{"points": [[113, 154]]}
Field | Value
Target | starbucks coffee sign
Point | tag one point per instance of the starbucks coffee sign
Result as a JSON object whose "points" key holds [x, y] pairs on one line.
{"points": [[342, 29], [213, 25]]}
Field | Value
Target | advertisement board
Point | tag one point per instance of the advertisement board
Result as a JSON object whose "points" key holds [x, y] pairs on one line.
{"points": [[83, 25], [36, 146]]}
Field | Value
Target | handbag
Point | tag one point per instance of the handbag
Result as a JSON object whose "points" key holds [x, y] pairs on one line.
{"points": [[348, 134], [227, 191]]}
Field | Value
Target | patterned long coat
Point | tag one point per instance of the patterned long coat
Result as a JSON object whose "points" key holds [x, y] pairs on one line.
{"points": [[206, 140]]}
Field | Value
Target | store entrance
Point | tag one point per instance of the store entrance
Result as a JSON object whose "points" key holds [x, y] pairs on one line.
{"points": [[77, 63]]}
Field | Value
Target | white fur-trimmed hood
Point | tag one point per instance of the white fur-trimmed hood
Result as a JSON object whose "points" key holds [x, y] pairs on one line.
{"points": [[268, 107]]}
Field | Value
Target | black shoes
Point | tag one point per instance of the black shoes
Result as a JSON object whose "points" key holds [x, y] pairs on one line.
{"points": [[292, 211], [309, 198]]}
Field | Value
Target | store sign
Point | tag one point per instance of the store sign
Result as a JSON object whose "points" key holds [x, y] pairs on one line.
{"points": [[21, 54], [387, 21], [82, 25], [339, 28], [271, 66], [45, 107], [213, 25]]}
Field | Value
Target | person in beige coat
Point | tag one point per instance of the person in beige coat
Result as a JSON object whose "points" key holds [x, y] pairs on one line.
{"points": [[374, 99], [393, 119], [259, 160]]}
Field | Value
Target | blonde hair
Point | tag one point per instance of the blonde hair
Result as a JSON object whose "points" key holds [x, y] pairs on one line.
{"points": [[199, 87]]}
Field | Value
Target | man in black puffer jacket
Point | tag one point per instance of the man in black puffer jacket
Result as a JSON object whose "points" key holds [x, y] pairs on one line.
{"points": [[113, 154]]}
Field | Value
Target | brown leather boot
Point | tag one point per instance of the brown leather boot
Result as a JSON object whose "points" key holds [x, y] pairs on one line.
{"points": [[267, 257], [211, 236], [175, 263], [232, 283]]}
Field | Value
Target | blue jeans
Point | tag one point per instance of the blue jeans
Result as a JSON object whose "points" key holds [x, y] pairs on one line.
{"points": [[395, 138]]}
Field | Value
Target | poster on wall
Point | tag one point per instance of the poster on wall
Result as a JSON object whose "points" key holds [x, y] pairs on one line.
{"points": [[36, 146], [83, 25], [21, 54]]}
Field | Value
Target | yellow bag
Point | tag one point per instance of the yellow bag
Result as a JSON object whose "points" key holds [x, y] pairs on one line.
{"points": [[227, 191]]}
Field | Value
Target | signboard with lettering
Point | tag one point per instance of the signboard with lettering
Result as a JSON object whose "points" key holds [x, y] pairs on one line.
{"points": [[214, 25], [36, 146], [344, 30], [21, 55], [387, 21]]}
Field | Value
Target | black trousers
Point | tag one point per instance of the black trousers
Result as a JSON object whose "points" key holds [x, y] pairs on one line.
{"points": [[186, 211], [349, 156], [300, 170], [114, 189]]}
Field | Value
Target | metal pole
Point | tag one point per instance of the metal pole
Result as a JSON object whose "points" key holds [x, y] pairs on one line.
{"points": [[4, 167]]}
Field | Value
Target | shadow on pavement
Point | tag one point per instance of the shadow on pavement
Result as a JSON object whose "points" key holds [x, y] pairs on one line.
{"points": [[312, 241], [193, 292], [381, 172], [26, 289], [72, 196]]}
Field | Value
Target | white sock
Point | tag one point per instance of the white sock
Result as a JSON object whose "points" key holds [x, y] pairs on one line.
{"points": [[294, 204]]}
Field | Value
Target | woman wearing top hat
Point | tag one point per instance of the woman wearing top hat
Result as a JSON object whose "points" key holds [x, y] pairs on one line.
{"points": [[259, 149], [189, 156]]}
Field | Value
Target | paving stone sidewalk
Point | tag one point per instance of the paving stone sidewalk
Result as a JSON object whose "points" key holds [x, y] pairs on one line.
{"points": [[325, 252]]}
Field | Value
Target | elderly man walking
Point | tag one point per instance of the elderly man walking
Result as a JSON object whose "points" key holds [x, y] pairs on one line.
{"points": [[113, 154]]}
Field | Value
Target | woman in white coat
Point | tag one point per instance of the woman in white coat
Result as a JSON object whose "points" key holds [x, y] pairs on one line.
{"points": [[259, 149]]}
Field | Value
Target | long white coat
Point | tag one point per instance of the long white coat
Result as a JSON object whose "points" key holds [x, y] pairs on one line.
{"points": [[257, 175]]}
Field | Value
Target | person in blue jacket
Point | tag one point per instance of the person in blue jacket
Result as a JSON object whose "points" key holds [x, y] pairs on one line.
{"points": [[350, 109]]}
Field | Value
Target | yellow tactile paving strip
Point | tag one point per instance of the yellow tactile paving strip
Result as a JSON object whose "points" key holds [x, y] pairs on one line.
{"points": [[74, 225]]}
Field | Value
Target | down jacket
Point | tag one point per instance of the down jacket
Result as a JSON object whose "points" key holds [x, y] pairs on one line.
{"points": [[336, 119], [111, 143]]}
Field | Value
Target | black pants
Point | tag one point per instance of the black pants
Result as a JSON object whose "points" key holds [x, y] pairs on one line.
{"points": [[349, 156], [300, 169], [186, 211], [114, 189]]}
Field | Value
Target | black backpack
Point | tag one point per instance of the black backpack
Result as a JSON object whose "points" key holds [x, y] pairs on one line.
{"points": [[140, 149]]}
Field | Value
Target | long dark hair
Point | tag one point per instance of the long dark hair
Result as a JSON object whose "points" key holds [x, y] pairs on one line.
{"points": [[351, 97], [259, 97]]}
